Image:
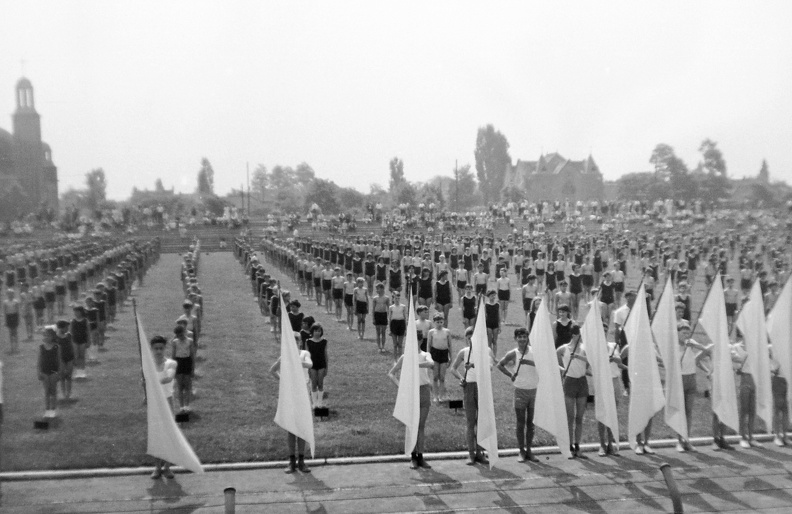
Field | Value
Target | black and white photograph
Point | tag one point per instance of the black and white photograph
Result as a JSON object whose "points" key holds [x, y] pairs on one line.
{"points": [[265, 256]]}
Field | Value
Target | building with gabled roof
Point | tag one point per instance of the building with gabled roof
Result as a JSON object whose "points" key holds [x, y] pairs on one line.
{"points": [[554, 177]]}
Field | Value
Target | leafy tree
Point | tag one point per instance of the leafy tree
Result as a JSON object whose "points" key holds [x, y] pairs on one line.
{"points": [[323, 193], [642, 186], [406, 193], [96, 188], [666, 162], [304, 174], [282, 177], [213, 204], [206, 178], [158, 187], [14, 201], [513, 194], [762, 195], [492, 159], [764, 172], [350, 197], [714, 164], [259, 182], [396, 173], [463, 189], [431, 193]]}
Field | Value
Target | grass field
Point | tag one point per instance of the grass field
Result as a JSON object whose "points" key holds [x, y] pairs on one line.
{"points": [[236, 397]]}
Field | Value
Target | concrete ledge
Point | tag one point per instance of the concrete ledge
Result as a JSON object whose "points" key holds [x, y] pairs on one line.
{"points": [[19, 476]]}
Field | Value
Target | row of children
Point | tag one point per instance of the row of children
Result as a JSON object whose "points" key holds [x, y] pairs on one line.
{"points": [[67, 345]]}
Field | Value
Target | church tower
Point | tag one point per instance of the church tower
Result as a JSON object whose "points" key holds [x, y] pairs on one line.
{"points": [[29, 149]]}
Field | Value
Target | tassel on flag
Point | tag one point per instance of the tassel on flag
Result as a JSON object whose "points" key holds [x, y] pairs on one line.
{"points": [[294, 406], [779, 329], [646, 391], [751, 323], [596, 344], [713, 319], [486, 432], [549, 414], [664, 329], [408, 401], [165, 440]]}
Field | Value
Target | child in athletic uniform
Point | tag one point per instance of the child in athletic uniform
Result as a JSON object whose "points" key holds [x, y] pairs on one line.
{"points": [[504, 293], [183, 352], [422, 326], [443, 301], [397, 319], [49, 371], [317, 347], [292, 440], [424, 362], [361, 306], [64, 342], [493, 320], [380, 307], [469, 306], [349, 299], [439, 344], [11, 308], [166, 371]]}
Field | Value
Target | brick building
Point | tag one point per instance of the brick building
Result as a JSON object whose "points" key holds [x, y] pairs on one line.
{"points": [[553, 177]]}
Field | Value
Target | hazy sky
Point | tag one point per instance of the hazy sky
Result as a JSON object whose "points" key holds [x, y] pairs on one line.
{"points": [[146, 89]]}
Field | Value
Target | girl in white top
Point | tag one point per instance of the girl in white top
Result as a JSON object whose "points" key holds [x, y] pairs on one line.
{"points": [[166, 370], [296, 462], [424, 363], [573, 362]]}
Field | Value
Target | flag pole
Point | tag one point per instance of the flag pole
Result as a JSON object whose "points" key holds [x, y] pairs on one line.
{"points": [[140, 352]]}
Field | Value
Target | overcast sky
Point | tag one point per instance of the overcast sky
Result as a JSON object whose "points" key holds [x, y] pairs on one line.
{"points": [[146, 89]]}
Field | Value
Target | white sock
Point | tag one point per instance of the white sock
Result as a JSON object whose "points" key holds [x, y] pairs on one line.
{"points": [[320, 397]]}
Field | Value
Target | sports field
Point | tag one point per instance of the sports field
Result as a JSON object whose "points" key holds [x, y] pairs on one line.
{"points": [[236, 397]]}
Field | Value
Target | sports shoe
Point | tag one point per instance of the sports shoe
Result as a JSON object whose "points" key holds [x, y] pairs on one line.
{"points": [[522, 457], [603, 452], [688, 447], [639, 449], [481, 459], [681, 447], [778, 442], [744, 443], [422, 462], [531, 457], [302, 466], [755, 444], [156, 474], [648, 450], [716, 446], [167, 473]]}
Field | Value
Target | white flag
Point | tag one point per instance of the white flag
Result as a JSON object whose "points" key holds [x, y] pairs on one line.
{"points": [[408, 400], [646, 392], [751, 323], [713, 320], [294, 406], [165, 440], [550, 413], [486, 432], [599, 359], [664, 329], [779, 328]]}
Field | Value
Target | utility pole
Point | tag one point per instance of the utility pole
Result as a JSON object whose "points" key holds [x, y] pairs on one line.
{"points": [[456, 179], [247, 166]]}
